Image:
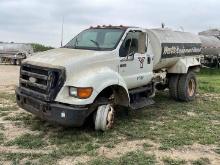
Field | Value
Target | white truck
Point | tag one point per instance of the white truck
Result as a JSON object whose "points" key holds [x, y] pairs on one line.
{"points": [[105, 66]]}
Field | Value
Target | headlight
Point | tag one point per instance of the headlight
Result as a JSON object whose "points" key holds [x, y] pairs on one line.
{"points": [[82, 93], [73, 91]]}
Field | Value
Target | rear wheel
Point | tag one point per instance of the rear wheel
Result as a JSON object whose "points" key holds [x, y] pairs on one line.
{"points": [[19, 62], [104, 117], [187, 87], [173, 86], [14, 62]]}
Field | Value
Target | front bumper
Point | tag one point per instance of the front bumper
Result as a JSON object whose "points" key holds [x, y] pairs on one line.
{"points": [[62, 114]]}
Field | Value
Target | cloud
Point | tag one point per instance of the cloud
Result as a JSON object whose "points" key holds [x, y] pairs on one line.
{"points": [[40, 20]]}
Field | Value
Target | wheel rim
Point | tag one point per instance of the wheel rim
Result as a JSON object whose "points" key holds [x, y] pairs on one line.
{"points": [[110, 117], [104, 118], [191, 87]]}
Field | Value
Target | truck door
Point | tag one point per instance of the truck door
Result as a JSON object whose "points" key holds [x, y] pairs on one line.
{"points": [[135, 65]]}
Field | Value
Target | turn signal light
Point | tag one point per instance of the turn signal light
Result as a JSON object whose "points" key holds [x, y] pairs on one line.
{"points": [[84, 93], [81, 93]]}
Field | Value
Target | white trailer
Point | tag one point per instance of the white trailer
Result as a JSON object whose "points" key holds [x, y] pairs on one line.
{"points": [[14, 52], [105, 66], [210, 51]]}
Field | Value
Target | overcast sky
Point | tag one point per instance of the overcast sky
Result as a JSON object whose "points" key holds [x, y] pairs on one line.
{"points": [[40, 20]]}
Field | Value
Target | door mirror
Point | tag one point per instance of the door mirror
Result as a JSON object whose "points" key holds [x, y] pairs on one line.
{"points": [[122, 51], [131, 56]]}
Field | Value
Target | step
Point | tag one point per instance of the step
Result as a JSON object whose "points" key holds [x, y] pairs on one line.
{"points": [[141, 103]]}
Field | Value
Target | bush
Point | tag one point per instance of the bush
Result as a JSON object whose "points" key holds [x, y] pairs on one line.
{"points": [[40, 48]]}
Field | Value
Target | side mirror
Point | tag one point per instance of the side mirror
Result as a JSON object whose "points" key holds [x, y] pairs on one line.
{"points": [[130, 56], [122, 52]]}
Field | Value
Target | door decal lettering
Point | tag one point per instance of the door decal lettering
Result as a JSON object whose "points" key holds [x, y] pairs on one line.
{"points": [[141, 60]]}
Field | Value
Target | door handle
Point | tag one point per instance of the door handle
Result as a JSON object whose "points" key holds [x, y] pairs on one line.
{"points": [[148, 60], [123, 65]]}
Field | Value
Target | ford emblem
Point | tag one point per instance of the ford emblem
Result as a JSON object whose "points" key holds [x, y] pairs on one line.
{"points": [[32, 79]]}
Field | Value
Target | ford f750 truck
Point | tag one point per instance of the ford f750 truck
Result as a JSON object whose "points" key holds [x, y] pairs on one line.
{"points": [[105, 66]]}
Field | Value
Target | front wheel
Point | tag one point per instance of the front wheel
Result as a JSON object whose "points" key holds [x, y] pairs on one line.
{"points": [[104, 118]]}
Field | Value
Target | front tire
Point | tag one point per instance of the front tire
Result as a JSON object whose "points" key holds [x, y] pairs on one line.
{"points": [[187, 87], [104, 118]]}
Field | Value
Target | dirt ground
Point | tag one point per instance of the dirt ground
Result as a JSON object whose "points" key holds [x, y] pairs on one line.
{"points": [[9, 77]]}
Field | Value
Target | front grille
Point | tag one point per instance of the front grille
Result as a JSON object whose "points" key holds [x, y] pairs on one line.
{"points": [[41, 82]]}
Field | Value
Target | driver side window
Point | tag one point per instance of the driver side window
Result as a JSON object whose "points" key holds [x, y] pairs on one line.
{"points": [[133, 43]]}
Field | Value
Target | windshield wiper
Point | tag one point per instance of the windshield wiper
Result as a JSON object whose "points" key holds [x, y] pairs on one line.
{"points": [[96, 43]]}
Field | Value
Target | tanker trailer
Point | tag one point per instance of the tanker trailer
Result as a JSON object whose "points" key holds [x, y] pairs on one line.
{"points": [[211, 32], [14, 53], [210, 50]]}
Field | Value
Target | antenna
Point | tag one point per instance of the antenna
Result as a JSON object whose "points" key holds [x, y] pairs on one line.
{"points": [[163, 25], [61, 43]]}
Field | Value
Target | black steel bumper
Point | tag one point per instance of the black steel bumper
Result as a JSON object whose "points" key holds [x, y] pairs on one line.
{"points": [[54, 112]]}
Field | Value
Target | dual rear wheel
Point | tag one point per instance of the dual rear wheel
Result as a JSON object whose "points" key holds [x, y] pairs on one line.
{"points": [[183, 87]]}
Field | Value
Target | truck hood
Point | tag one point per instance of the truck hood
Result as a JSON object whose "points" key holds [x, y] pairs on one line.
{"points": [[63, 57]]}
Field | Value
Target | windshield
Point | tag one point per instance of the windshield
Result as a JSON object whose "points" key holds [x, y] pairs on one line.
{"points": [[96, 39]]}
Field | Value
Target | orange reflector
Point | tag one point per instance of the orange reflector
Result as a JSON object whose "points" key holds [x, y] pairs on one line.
{"points": [[84, 93]]}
